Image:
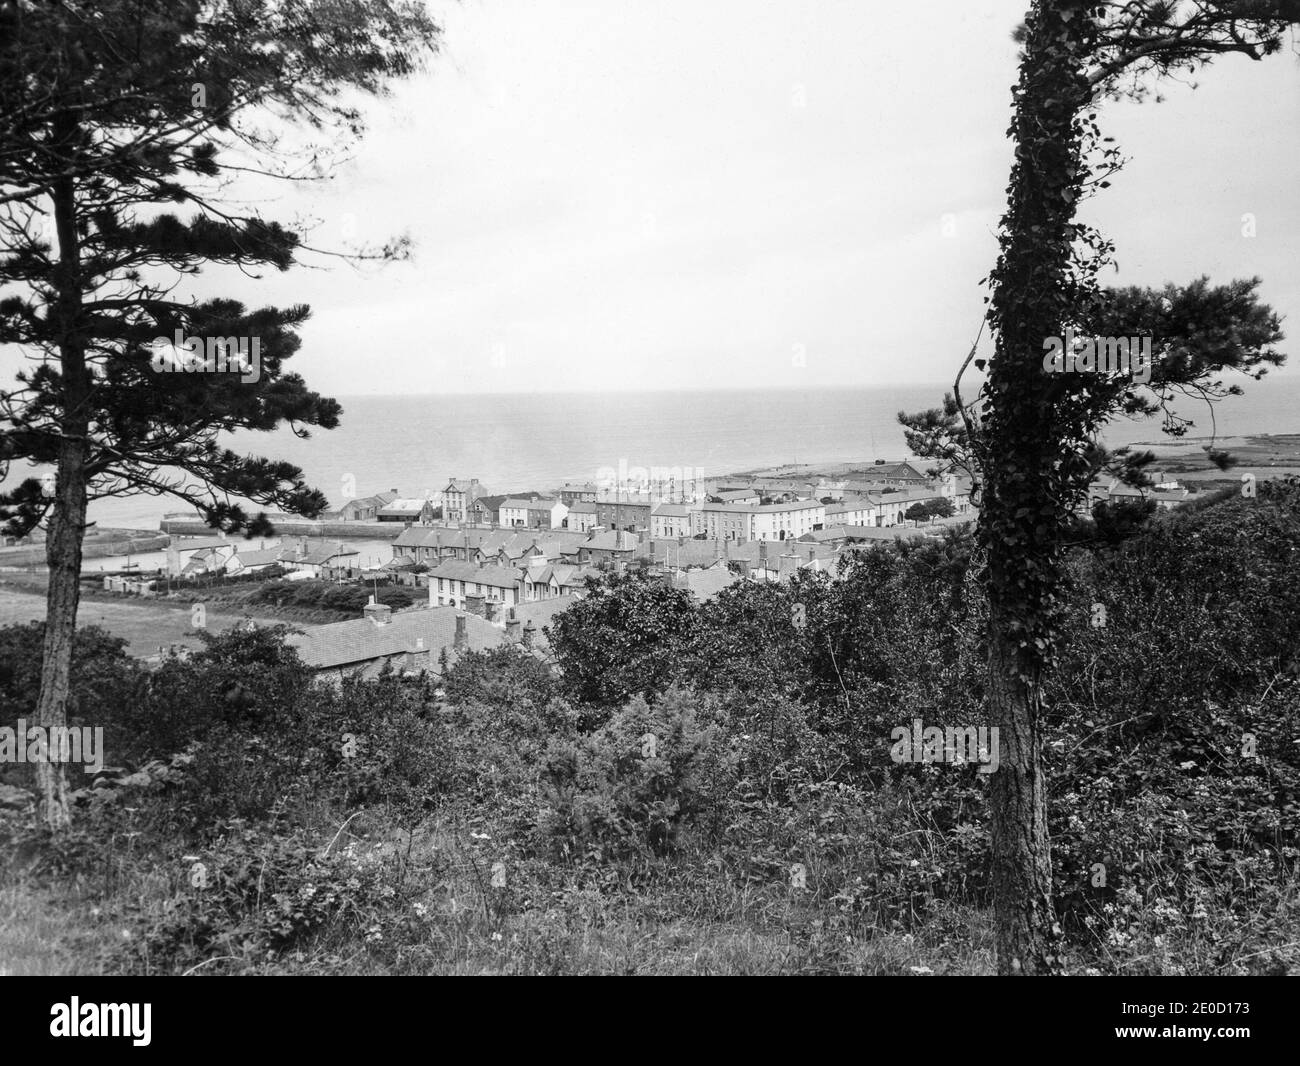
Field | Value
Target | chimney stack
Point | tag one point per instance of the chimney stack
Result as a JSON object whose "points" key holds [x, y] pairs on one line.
{"points": [[461, 642], [529, 631], [514, 628], [378, 613]]}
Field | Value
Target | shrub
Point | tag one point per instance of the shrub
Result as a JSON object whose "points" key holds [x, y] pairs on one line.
{"points": [[635, 782]]}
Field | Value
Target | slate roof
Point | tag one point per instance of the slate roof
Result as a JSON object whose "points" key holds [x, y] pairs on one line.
{"points": [[541, 613], [672, 510], [582, 507], [909, 495], [504, 577], [692, 553], [844, 532], [564, 574], [200, 543], [897, 471], [795, 505], [407, 506], [259, 558], [491, 504], [359, 640], [705, 583], [321, 554], [613, 540], [730, 508]]}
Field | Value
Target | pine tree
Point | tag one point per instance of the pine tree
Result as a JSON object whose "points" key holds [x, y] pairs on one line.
{"points": [[122, 123], [1031, 439]]}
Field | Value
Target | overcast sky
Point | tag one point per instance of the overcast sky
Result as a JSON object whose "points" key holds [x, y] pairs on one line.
{"points": [[707, 193]]}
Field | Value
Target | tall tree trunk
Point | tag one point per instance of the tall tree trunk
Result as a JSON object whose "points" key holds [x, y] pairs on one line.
{"points": [[1022, 866], [1026, 460], [63, 556], [67, 524]]}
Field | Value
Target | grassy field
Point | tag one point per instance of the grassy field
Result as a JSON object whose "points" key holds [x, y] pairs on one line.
{"points": [[143, 623]]}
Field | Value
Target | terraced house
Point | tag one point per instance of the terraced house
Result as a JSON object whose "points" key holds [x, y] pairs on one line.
{"points": [[773, 521], [452, 583], [672, 520], [582, 516], [547, 581], [623, 514]]}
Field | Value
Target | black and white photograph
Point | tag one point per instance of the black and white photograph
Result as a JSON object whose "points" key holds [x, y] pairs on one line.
{"points": [[650, 488]]}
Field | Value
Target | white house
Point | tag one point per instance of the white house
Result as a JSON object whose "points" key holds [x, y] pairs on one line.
{"points": [[582, 516], [774, 521], [514, 511], [451, 582], [212, 552], [670, 520]]}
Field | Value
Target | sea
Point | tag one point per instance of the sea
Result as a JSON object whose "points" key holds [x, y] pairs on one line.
{"points": [[517, 442]]}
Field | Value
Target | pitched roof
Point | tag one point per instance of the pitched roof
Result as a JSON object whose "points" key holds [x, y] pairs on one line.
{"points": [[848, 532], [460, 484], [409, 505], [794, 505], [321, 554], [692, 553], [612, 540], [908, 495], [259, 558], [582, 507], [705, 583], [417, 537], [542, 613], [901, 470], [200, 543], [730, 508], [359, 639], [516, 503], [489, 503], [564, 574], [496, 576], [672, 510]]}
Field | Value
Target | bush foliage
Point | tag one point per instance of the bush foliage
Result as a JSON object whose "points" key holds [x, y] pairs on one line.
{"points": [[714, 763]]}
